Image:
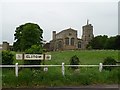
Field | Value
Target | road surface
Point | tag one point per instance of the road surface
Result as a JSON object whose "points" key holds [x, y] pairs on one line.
{"points": [[89, 87]]}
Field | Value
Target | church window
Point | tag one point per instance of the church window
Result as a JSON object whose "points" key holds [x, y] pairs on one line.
{"points": [[70, 34], [59, 44], [67, 41], [72, 41], [79, 44]]}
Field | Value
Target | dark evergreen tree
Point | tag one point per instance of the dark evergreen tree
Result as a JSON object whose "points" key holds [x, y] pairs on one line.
{"points": [[74, 61], [109, 61]]}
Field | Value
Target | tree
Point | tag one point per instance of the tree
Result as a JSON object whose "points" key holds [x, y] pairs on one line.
{"points": [[117, 42], [103, 42], [113, 43], [98, 42], [110, 43], [35, 49], [27, 35]]}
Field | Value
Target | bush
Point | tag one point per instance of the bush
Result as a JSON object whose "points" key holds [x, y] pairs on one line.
{"points": [[74, 61], [109, 61], [35, 49], [7, 58]]}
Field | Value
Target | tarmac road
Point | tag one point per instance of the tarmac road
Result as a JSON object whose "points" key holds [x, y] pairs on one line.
{"points": [[64, 89], [91, 87]]}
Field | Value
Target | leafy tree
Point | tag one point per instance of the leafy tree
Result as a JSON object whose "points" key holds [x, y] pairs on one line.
{"points": [[35, 49], [7, 58], [27, 35], [110, 43], [98, 42], [103, 42], [74, 61], [117, 42]]}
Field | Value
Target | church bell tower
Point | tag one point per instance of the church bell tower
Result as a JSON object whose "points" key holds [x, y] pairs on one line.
{"points": [[87, 33]]}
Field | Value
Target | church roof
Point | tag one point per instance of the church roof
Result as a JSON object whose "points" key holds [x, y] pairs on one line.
{"points": [[69, 29]]}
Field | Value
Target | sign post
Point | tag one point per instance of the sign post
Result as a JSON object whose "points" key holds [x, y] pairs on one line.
{"points": [[16, 69], [63, 69], [100, 67]]}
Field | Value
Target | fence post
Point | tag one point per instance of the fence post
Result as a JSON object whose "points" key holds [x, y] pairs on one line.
{"points": [[100, 67], [63, 69], [16, 69]]}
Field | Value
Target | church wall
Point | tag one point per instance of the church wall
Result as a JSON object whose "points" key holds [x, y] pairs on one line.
{"points": [[70, 34]]}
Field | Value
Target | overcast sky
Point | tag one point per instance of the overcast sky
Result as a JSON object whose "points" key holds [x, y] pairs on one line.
{"points": [[58, 16]]}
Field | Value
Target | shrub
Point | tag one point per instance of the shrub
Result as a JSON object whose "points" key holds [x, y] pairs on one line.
{"points": [[109, 61], [35, 49], [74, 61], [7, 58]]}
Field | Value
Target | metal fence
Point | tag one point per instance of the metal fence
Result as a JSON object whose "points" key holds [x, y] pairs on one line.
{"points": [[16, 66]]}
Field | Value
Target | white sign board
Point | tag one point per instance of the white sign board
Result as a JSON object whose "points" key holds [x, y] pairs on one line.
{"points": [[19, 56], [33, 57]]}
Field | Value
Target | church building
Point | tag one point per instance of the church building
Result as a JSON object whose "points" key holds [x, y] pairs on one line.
{"points": [[67, 39]]}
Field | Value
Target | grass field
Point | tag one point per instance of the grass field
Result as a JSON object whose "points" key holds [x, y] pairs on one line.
{"points": [[85, 76]]}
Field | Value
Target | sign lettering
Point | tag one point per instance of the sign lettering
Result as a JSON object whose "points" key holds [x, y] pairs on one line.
{"points": [[33, 57]]}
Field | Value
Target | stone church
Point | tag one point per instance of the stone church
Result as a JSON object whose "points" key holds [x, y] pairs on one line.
{"points": [[68, 40]]}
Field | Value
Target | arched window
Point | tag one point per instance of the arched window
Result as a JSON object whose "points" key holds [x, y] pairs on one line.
{"points": [[72, 41], [79, 44], [59, 44], [67, 41]]}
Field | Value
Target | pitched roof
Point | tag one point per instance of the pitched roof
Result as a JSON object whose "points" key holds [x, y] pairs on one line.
{"points": [[69, 29]]}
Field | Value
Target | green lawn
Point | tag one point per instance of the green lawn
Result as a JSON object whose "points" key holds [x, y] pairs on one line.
{"points": [[86, 56], [85, 76]]}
